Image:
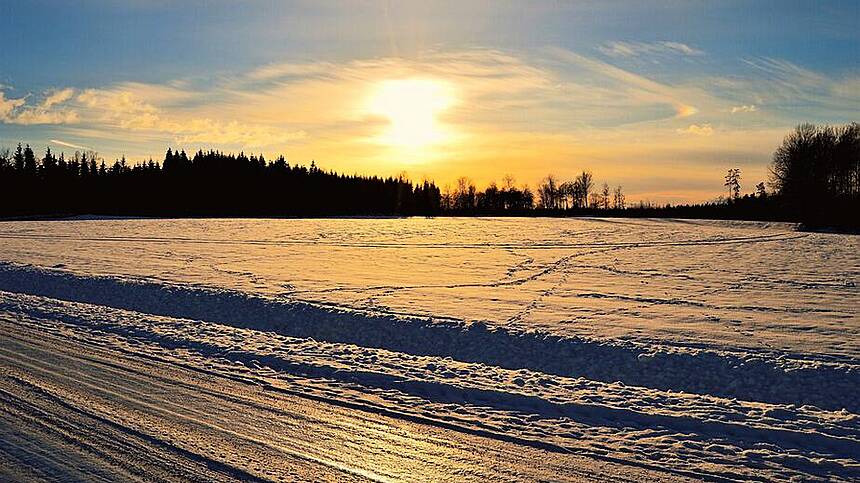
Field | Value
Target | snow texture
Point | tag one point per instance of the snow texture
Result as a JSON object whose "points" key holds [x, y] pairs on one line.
{"points": [[715, 350]]}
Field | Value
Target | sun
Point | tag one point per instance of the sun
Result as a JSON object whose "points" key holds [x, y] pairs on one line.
{"points": [[411, 107]]}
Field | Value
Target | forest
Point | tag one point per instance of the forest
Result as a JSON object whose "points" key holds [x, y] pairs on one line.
{"points": [[814, 179], [205, 184]]}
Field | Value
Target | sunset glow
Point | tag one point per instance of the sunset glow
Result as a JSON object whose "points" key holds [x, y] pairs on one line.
{"points": [[411, 107], [661, 99]]}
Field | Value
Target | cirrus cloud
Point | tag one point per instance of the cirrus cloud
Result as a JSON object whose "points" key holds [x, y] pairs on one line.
{"points": [[744, 108], [636, 49]]}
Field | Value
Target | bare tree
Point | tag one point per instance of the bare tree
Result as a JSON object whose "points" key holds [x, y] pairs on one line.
{"points": [[585, 183], [818, 162], [464, 196], [446, 201], [548, 192], [618, 198], [566, 193], [604, 196]]}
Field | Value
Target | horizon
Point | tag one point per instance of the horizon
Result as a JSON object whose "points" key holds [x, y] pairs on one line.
{"points": [[447, 189], [661, 100]]}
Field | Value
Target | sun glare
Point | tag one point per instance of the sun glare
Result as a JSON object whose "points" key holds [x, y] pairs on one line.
{"points": [[411, 107]]}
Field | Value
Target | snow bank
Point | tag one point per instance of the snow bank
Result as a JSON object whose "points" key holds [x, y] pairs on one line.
{"points": [[766, 377]]}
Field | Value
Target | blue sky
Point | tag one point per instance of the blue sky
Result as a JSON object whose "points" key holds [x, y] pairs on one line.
{"points": [[689, 88]]}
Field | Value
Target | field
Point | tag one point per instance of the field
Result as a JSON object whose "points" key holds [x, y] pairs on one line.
{"points": [[627, 349]]}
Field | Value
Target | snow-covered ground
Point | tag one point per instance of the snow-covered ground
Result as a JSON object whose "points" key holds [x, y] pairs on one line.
{"points": [[698, 349]]}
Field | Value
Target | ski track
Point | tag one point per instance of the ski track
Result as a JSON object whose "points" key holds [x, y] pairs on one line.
{"points": [[647, 354]]}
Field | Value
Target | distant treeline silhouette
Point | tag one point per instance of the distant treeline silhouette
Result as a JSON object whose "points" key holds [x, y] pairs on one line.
{"points": [[815, 179], [206, 184]]}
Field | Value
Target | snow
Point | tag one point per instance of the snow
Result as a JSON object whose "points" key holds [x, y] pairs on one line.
{"points": [[703, 348]]}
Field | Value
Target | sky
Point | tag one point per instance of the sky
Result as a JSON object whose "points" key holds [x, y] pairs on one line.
{"points": [[659, 97]]}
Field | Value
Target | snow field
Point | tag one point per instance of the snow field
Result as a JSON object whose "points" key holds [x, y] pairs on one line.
{"points": [[714, 350]]}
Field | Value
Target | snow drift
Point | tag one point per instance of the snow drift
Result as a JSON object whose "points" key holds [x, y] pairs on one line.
{"points": [[752, 376]]}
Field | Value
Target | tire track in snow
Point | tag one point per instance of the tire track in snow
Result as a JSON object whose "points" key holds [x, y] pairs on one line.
{"points": [[462, 453], [446, 246], [593, 415], [745, 376], [590, 414]]}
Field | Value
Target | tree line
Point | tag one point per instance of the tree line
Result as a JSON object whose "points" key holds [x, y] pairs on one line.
{"points": [[816, 173], [552, 196], [206, 184], [814, 179]]}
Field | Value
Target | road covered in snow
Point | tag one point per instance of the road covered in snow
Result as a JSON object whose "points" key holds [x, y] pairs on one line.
{"points": [[387, 349], [82, 403]]}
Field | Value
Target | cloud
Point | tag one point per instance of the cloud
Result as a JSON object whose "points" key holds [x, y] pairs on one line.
{"points": [[685, 110], [636, 87], [69, 145], [846, 88], [637, 49], [782, 71], [697, 130], [44, 116], [8, 106], [254, 136], [17, 111], [281, 70], [744, 108], [792, 91], [57, 97], [128, 107]]}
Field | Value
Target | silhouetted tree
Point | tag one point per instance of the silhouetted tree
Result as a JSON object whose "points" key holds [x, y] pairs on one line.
{"points": [[19, 159], [618, 198], [604, 196], [733, 184], [465, 195], [29, 161], [816, 171], [548, 193], [583, 184]]}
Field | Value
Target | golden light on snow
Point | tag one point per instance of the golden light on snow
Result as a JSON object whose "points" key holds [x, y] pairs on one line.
{"points": [[412, 107]]}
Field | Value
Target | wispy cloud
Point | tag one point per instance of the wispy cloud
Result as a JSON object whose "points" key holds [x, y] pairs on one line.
{"points": [[8, 106], [744, 108], [69, 145], [43, 116], [19, 111], [57, 97], [289, 69], [636, 49], [791, 89], [129, 107], [697, 130], [635, 86]]}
